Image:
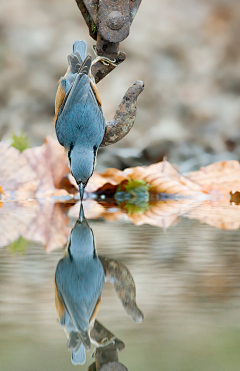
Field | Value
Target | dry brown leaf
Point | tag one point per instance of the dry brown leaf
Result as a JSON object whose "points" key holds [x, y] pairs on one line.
{"points": [[37, 172], [17, 179], [112, 176], [41, 172], [50, 164], [219, 178], [215, 181], [161, 176]]}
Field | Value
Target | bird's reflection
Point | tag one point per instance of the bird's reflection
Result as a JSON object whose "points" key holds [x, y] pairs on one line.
{"points": [[79, 280]]}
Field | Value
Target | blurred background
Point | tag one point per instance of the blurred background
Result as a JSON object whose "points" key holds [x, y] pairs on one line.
{"points": [[187, 53]]}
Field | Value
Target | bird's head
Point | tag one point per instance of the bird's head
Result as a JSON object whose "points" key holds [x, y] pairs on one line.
{"points": [[82, 163]]}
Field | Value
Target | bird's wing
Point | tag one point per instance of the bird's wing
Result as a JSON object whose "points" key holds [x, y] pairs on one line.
{"points": [[79, 114], [59, 306], [60, 95], [96, 280], [66, 120], [96, 93], [79, 316]]}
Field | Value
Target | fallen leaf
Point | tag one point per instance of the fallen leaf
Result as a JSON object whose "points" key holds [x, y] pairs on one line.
{"points": [[219, 178], [214, 182], [17, 178], [162, 178], [98, 180], [37, 172], [49, 162], [43, 172]]}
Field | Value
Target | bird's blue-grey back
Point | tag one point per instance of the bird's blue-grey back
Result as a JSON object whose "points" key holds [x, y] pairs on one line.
{"points": [[80, 119]]}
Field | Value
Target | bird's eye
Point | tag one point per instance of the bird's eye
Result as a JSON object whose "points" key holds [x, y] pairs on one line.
{"points": [[95, 148]]}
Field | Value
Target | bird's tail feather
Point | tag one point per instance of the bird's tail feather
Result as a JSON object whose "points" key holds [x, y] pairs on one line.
{"points": [[74, 63], [80, 49], [78, 66], [79, 355], [78, 58], [86, 65]]}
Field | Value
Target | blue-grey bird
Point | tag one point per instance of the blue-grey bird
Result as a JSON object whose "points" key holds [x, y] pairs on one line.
{"points": [[79, 121], [79, 280]]}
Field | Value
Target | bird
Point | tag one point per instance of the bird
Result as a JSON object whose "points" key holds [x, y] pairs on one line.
{"points": [[79, 120], [79, 280]]}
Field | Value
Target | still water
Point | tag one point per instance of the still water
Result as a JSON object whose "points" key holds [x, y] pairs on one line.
{"points": [[187, 280]]}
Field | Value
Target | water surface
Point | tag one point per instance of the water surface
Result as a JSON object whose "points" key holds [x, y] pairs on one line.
{"points": [[188, 288]]}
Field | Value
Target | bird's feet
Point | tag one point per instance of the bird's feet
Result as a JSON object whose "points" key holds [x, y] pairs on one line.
{"points": [[103, 343], [106, 61]]}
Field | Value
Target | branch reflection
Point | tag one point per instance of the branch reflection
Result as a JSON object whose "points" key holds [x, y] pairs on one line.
{"points": [[79, 280]]}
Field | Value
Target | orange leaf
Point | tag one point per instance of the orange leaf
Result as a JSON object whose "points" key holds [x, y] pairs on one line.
{"points": [[215, 180]]}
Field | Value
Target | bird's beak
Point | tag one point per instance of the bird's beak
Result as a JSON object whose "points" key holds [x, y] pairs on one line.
{"points": [[81, 191], [81, 214]]}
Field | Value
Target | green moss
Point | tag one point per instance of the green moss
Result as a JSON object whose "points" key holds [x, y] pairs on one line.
{"points": [[94, 27], [136, 207], [20, 245], [134, 185], [133, 196], [20, 142]]}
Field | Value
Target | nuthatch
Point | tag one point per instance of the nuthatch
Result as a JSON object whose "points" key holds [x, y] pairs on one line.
{"points": [[79, 120], [79, 280]]}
